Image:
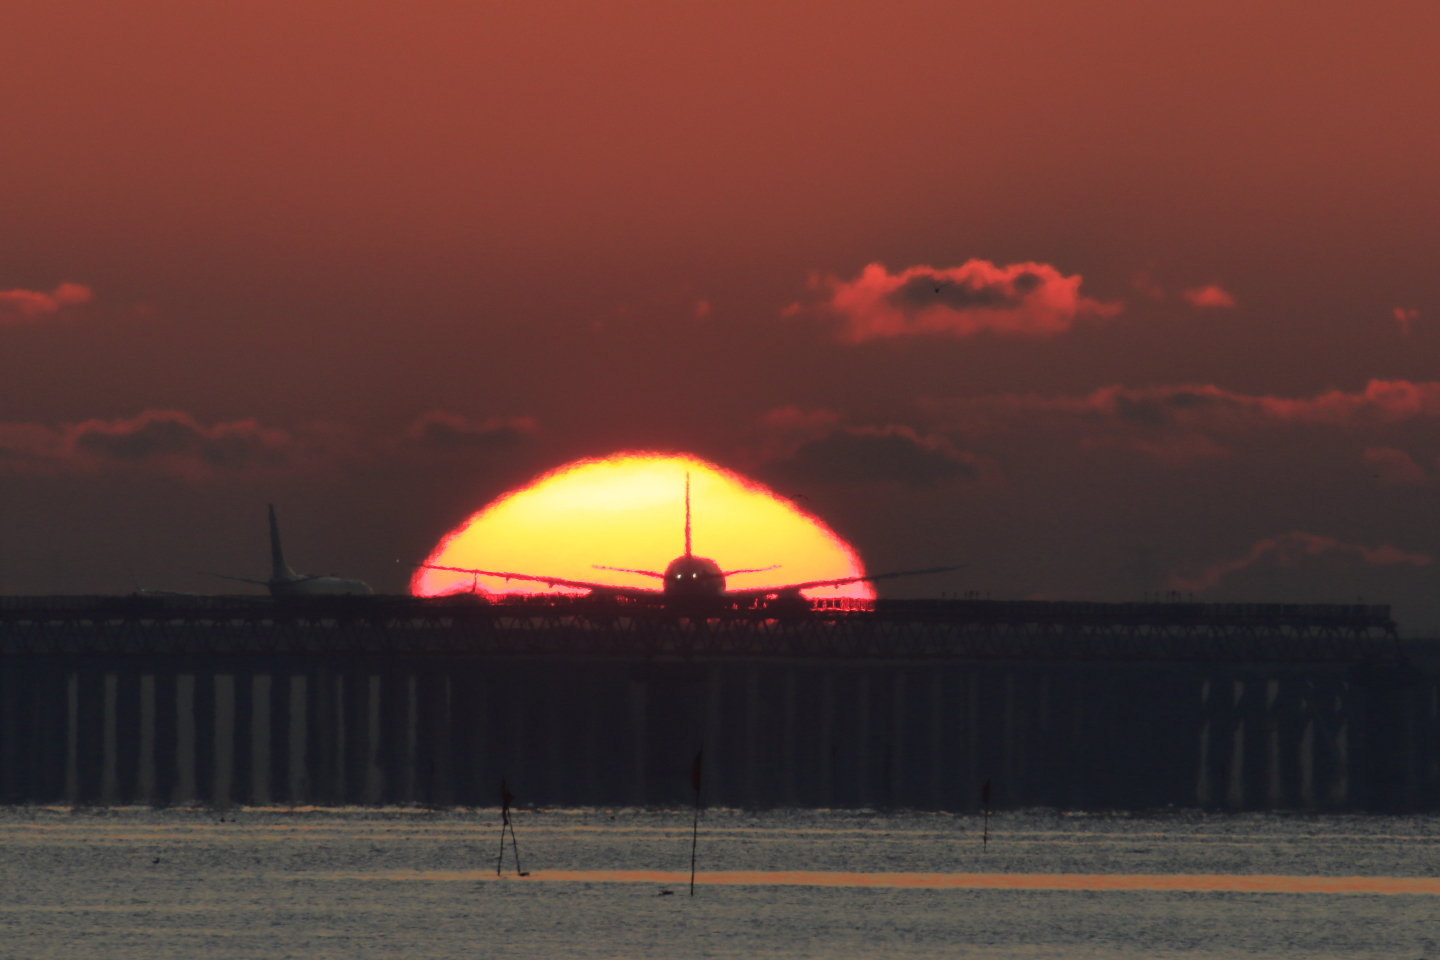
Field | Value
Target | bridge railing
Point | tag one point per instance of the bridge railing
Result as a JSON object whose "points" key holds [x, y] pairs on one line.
{"points": [[587, 627]]}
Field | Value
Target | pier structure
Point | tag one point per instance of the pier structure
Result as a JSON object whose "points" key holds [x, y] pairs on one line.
{"points": [[578, 701]]}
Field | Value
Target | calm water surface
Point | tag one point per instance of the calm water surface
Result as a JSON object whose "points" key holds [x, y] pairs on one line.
{"points": [[835, 884]]}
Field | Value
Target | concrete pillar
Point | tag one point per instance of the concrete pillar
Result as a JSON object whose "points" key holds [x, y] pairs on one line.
{"points": [[1010, 787], [127, 735], [72, 738], [896, 791], [1041, 771], [937, 738], [90, 736], [1274, 789], [971, 798], [110, 747], [1432, 745], [11, 790], [224, 749], [1307, 765], [340, 737], [184, 792], [394, 724], [412, 740], [827, 739], [146, 781], [1235, 789], [863, 793], [260, 734], [1410, 717], [556, 787], [1204, 789], [593, 693], [374, 775], [442, 786], [203, 700], [714, 782], [297, 744], [789, 795], [637, 728], [323, 746], [752, 736], [167, 736], [1340, 787]]}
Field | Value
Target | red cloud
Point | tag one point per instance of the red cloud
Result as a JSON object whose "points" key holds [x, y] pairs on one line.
{"points": [[1023, 299], [1406, 316], [19, 305], [1289, 549], [1208, 296]]}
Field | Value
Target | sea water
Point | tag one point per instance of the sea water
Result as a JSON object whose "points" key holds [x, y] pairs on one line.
{"points": [[361, 883]]}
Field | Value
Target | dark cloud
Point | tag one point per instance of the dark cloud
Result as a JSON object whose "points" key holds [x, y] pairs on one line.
{"points": [[929, 289], [157, 435], [1144, 412], [445, 433], [174, 443], [1197, 409], [859, 456], [161, 441], [1294, 547]]}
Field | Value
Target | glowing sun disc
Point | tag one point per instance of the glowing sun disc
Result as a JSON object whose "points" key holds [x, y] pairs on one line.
{"points": [[628, 510]]}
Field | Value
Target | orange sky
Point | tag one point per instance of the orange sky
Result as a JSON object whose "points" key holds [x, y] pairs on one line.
{"points": [[379, 264]]}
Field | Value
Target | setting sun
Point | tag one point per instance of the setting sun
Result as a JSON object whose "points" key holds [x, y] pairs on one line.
{"points": [[628, 510]]}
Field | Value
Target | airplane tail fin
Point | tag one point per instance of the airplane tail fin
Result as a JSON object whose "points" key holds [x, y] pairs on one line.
{"points": [[279, 571]]}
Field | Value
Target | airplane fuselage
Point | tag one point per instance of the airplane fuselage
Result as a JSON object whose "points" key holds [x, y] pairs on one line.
{"points": [[691, 576], [317, 587]]}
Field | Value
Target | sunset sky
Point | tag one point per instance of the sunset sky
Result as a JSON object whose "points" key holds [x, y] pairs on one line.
{"points": [[1100, 298]]}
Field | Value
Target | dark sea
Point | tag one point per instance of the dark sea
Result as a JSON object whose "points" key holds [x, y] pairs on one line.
{"points": [[362, 883]]}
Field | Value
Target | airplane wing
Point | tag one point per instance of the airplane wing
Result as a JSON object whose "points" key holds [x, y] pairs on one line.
{"points": [[299, 578], [731, 573], [703, 576], [643, 573], [795, 588], [606, 588], [263, 583]]}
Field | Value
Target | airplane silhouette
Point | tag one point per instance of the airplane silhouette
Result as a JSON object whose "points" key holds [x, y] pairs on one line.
{"points": [[689, 576], [285, 582]]}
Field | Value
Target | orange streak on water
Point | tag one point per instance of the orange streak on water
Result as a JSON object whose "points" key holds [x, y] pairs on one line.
{"points": [[1192, 883]]}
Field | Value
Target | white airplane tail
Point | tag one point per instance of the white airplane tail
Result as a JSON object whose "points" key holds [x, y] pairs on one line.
{"points": [[278, 570]]}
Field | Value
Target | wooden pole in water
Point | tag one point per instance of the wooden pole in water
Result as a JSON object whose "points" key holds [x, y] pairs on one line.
{"points": [[516, 845], [984, 799], [695, 769], [505, 798]]}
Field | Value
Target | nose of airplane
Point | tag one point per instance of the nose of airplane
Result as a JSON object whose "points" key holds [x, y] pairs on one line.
{"points": [[692, 576]]}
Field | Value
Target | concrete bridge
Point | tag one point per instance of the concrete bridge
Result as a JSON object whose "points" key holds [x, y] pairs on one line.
{"points": [[379, 700]]}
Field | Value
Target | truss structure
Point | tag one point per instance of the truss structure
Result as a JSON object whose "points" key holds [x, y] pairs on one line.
{"points": [[585, 627]]}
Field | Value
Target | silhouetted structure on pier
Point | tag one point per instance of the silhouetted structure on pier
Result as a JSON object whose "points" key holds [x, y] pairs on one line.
{"points": [[606, 701]]}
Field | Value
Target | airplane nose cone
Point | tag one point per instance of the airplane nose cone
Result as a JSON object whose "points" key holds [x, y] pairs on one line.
{"points": [[692, 576]]}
